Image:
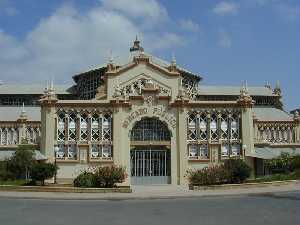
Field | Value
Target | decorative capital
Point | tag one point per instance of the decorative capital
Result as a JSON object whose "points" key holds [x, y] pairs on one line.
{"points": [[245, 100], [49, 96]]}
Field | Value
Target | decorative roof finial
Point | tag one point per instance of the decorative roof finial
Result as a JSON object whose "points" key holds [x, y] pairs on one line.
{"points": [[267, 85], [136, 46], [173, 62], [296, 114], [245, 98], [23, 108], [23, 116], [277, 90], [111, 57]]}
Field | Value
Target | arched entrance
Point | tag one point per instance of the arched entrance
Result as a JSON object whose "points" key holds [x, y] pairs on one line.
{"points": [[150, 152]]}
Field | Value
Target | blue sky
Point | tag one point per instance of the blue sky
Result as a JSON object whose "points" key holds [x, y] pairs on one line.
{"points": [[225, 41]]}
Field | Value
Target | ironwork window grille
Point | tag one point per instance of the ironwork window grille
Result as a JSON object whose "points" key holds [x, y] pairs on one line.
{"points": [[150, 129], [61, 132], [225, 150], [224, 127], [192, 127], [101, 151], [61, 153], [106, 127], [4, 136], [83, 127], [214, 128], [230, 149], [72, 127], [72, 151], [198, 151], [203, 127], [95, 127], [234, 127], [15, 136]]}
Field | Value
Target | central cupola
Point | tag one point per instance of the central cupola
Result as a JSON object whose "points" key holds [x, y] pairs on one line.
{"points": [[136, 49]]}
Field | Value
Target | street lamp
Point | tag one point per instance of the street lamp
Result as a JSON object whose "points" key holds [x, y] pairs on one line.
{"points": [[56, 149], [244, 149]]}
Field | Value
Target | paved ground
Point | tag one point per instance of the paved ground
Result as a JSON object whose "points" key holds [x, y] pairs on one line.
{"points": [[267, 209], [153, 192]]}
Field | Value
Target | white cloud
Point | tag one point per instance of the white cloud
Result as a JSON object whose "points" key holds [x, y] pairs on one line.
{"points": [[7, 8], [189, 25], [150, 10], [11, 11], [68, 42], [290, 12], [225, 40], [226, 8]]}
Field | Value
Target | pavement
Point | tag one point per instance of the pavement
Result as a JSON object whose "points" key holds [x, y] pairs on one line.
{"points": [[152, 192], [247, 209]]}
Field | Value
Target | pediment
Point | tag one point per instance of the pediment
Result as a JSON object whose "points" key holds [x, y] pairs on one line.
{"points": [[135, 85]]}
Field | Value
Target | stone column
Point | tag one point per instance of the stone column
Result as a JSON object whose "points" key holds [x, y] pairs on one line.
{"points": [[182, 145], [121, 142], [48, 129], [245, 101]]}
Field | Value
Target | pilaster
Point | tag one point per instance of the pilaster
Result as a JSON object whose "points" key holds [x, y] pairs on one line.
{"points": [[121, 143], [182, 144]]}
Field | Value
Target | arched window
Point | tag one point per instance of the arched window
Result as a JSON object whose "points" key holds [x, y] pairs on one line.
{"points": [[150, 129]]}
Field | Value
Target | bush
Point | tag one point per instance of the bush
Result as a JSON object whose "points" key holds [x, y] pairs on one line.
{"points": [[109, 176], [232, 171], [20, 164], [5, 174], [85, 179], [208, 176], [285, 163], [237, 169], [42, 171], [102, 177], [295, 164]]}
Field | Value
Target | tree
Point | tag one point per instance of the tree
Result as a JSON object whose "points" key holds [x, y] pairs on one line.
{"points": [[22, 161], [43, 171]]}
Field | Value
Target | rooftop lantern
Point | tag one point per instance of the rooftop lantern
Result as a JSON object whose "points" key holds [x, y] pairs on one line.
{"points": [[136, 49]]}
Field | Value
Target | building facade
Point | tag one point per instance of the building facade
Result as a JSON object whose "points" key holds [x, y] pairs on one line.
{"points": [[152, 117]]}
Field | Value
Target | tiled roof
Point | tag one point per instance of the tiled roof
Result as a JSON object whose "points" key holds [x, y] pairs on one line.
{"points": [[271, 153], [34, 89], [233, 90], [271, 114], [12, 113]]}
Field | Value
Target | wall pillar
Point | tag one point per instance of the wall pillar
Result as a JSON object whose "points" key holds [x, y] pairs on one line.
{"points": [[121, 143], [182, 145], [48, 131]]}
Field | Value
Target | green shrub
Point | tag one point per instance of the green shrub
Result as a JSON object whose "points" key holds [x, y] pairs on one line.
{"points": [[285, 163], [237, 169], [42, 171], [208, 176], [232, 171], [20, 164], [109, 176], [5, 174], [295, 164], [102, 177], [85, 179]]}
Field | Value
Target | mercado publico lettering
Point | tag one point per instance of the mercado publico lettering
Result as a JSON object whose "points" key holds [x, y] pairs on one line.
{"points": [[155, 111]]}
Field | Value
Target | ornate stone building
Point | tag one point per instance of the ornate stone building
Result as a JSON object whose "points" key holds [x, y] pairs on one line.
{"points": [[153, 117]]}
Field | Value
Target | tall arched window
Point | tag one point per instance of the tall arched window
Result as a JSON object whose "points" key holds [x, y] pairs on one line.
{"points": [[150, 129]]}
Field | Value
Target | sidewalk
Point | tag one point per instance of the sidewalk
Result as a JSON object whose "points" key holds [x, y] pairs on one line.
{"points": [[151, 192]]}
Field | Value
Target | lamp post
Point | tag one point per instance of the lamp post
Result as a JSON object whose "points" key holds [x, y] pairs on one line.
{"points": [[244, 149], [56, 149]]}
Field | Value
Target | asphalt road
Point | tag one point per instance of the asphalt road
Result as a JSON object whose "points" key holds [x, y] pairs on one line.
{"points": [[281, 209]]}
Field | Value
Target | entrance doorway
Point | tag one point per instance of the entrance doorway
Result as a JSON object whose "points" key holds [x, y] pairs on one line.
{"points": [[150, 157], [150, 166]]}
